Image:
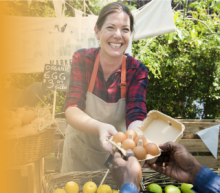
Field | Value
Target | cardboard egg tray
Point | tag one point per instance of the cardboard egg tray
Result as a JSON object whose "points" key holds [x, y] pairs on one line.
{"points": [[157, 128]]}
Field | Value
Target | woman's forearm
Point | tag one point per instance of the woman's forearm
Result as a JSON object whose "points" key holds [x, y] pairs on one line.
{"points": [[82, 122]]}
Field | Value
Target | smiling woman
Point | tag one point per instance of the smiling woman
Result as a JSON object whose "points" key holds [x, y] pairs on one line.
{"points": [[106, 93], [115, 31], [114, 38]]}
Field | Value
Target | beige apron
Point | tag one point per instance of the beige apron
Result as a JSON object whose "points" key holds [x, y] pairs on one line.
{"points": [[82, 151]]}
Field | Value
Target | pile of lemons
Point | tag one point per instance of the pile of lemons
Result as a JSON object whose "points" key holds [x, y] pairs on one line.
{"points": [[185, 188], [89, 187]]}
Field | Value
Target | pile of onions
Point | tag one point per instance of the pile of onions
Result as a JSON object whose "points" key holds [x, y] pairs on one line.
{"points": [[18, 123], [27, 121], [19, 118]]}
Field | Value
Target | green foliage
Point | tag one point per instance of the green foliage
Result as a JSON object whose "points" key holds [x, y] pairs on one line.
{"points": [[46, 8], [36, 9], [60, 99], [131, 7], [20, 81], [183, 64]]}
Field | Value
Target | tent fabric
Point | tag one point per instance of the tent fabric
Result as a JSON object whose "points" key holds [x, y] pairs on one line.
{"points": [[153, 19], [210, 138], [39, 41], [58, 7]]}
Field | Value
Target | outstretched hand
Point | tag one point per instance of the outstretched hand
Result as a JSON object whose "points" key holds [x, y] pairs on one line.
{"points": [[106, 131], [126, 171], [177, 163]]}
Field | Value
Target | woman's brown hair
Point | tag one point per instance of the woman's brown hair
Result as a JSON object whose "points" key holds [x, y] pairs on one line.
{"points": [[112, 8]]}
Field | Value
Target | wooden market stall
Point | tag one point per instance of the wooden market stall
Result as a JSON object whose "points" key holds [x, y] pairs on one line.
{"points": [[190, 140], [43, 173]]}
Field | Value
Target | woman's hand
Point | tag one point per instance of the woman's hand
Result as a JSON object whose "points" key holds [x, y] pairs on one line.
{"points": [[84, 123], [106, 131]]}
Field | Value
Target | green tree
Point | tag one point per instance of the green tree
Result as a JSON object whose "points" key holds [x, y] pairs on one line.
{"points": [[184, 66], [46, 8]]}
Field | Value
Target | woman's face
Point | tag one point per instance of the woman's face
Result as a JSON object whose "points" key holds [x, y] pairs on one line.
{"points": [[115, 34]]}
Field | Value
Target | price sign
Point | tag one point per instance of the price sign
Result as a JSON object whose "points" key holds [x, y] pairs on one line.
{"points": [[56, 77]]}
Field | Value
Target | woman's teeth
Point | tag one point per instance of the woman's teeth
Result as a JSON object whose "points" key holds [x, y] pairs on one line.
{"points": [[115, 45]]}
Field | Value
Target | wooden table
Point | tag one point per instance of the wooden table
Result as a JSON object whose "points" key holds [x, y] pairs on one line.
{"points": [[25, 178], [191, 141]]}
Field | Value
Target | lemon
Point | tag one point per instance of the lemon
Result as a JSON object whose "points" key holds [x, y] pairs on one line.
{"points": [[71, 187], [59, 191], [104, 189], [185, 188], [115, 191], [89, 187], [171, 189], [154, 188]]}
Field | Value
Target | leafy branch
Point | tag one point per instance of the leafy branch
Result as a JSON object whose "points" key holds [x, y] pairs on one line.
{"points": [[204, 24]]}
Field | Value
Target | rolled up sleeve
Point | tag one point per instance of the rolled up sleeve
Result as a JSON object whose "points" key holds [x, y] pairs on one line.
{"points": [[136, 96], [76, 94]]}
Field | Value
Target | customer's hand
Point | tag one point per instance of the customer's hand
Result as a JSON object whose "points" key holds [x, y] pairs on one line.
{"points": [[106, 131], [126, 171], [177, 163]]}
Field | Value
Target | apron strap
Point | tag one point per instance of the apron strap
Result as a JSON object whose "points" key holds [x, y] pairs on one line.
{"points": [[123, 76], [94, 74]]}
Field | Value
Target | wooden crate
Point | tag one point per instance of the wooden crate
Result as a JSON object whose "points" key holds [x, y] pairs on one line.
{"points": [[191, 141], [26, 178]]}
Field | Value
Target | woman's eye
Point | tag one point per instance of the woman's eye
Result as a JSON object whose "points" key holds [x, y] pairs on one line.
{"points": [[110, 27], [126, 29]]}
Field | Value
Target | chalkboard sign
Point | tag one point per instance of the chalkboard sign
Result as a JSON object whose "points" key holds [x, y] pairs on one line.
{"points": [[56, 77]]}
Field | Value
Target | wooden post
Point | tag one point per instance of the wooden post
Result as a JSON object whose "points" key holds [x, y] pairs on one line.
{"points": [[54, 103]]}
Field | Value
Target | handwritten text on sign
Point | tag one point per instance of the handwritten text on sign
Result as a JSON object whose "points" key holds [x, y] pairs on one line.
{"points": [[56, 77]]}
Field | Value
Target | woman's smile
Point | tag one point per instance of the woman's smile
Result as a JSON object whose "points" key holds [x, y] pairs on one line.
{"points": [[115, 45]]}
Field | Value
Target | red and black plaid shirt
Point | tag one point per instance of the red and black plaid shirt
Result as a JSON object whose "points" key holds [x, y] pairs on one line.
{"points": [[109, 91]]}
